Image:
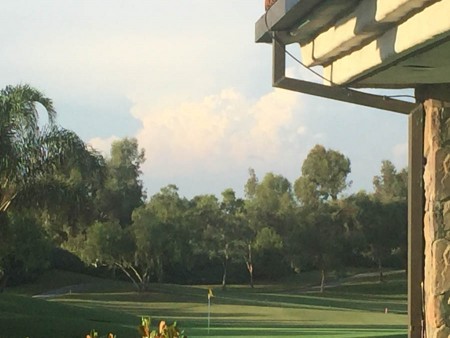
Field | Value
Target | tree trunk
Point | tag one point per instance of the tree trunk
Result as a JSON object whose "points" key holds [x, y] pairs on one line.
{"points": [[159, 269], [224, 276], [135, 283], [249, 263], [250, 271], [380, 270], [6, 197], [322, 280]]}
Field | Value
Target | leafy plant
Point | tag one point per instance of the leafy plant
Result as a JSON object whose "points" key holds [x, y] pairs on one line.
{"points": [[94, 334], [164, 331]]}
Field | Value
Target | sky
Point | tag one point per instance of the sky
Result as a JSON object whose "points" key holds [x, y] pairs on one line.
{"points": [[186, 79]]}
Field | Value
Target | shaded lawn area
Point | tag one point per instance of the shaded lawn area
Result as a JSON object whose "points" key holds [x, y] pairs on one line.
{"points": [[23, 316], [349, 311]]}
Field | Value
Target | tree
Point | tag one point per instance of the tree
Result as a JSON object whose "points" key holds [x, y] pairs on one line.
{"points": [[251, 185], [108, 244], [271, 207], [160, 233], [321, 229], [31, 153], [272, 204], [319, 238], [216, 230], [152, 238], [324, 174], [383, 225], [24, 248], [236, 222], [390, 184], [37, 159], [19, 130], [123, 191]]}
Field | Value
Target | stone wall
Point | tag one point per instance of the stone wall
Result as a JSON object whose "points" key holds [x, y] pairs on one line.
{"points": [[437, 218]]}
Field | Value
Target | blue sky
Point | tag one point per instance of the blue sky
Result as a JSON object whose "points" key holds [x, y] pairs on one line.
{"points": [[187, 80]]}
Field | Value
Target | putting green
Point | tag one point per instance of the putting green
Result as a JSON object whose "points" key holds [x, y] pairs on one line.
{"points": [[281, 310]]}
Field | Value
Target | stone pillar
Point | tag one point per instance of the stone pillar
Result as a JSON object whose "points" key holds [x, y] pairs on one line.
{"points": [[436, 102]]}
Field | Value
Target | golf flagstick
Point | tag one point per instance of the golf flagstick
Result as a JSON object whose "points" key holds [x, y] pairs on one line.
{"points": [[210, 295]]}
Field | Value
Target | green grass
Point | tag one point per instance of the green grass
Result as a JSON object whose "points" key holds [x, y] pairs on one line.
{"points": [[353, 309], [23, 316]]}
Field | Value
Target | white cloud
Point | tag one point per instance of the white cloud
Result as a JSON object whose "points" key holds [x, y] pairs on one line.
{"points": [[103, 145], [218, 133], [302, 130], [400, 153], [321, 137]]}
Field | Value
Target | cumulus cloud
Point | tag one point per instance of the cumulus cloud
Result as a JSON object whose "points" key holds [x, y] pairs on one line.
{"points": [[217, 133], [103, 145], [400, 154]]}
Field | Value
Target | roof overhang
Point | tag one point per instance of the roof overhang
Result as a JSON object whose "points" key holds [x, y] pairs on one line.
{"points": [[366, 43]]}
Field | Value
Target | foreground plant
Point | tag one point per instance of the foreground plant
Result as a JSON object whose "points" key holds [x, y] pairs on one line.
{"points": [[164, 330], [94, 334]]}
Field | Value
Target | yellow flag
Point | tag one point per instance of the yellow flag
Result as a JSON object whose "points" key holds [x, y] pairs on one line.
{"points": [[210, 293]]}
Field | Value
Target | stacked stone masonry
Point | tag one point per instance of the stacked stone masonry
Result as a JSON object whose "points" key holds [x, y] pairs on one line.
{"points": [[437, 218]]}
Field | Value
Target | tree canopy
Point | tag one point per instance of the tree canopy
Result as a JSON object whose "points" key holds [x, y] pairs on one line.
{"points": [[324, 175], [56, 192]]}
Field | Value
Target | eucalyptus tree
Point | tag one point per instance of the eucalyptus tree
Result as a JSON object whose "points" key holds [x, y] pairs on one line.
{"points": [[251, 184], [320, 239], [240, 234], [210, 237], [217, 229], [108, 244], [324, 176], [391, 184], [383, 224], [146, 248], [270, 211], [160, 233], [123, 189], [320, 232]]}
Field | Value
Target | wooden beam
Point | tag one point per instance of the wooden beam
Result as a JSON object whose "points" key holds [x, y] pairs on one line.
{"points": [[439, 92], [416, 203], [331, 92]]}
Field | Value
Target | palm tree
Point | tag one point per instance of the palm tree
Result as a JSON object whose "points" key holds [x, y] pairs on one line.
{"points": [[32, 155]]}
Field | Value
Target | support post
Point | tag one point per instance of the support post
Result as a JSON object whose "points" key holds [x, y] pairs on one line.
{"points": [[279, 62], [415, 224]]}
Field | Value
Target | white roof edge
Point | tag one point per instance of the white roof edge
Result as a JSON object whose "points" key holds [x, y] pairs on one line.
{"points": [[395, 43], [368, 20]]}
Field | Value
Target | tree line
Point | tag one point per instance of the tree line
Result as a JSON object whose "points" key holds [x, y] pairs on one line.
{"points": [[62, 203]]}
